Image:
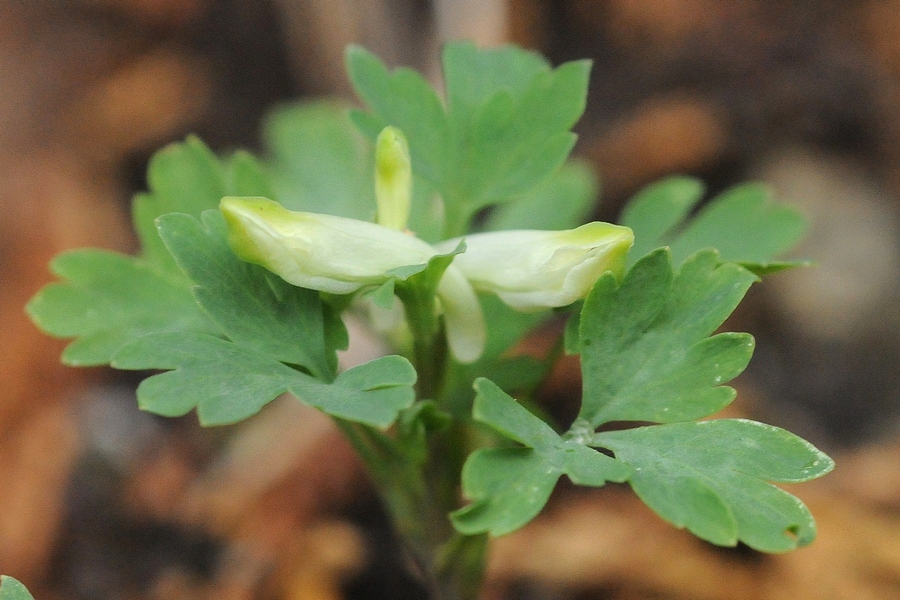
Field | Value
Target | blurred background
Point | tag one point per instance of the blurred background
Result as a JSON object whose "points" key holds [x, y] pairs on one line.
{"points": [[99, 501]]}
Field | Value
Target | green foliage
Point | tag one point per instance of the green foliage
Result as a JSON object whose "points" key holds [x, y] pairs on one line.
{"points": [[504, 130], [646, 354], [711, 477], [514, 373], [108, 299], [319, 162], [742, 223], [230, 336], [227, 382], [509, 486], [562, 201], [253, 307], [11, 589]]}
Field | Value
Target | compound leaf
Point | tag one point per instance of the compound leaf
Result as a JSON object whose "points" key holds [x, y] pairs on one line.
{"points": [[712, 477], [506, 127], [645, 351], [227, 383], [509, 486]]}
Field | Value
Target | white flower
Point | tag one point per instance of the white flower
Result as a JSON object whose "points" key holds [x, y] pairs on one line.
{"points": [[340, 256], [533, 270]]}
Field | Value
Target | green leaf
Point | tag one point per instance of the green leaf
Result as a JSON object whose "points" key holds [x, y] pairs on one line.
{"points": [[402, 98], [712, 478], [255, 308], [742, 223], [11, 589], [183, 177], [505, 129], [562, 201], [227, 383], [108, 299], [645, 351], [248, 177], [320, 162], [509, 486]]}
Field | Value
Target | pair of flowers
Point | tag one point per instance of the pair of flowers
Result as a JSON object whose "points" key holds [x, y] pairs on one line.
{"points": [[529, 270]]}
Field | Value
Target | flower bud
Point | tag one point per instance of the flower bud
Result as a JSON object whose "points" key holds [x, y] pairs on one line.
{"points": [[393, 179], [533, 270]]}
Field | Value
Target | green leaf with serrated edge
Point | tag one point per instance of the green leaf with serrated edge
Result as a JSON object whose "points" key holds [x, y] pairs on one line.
{"points": [[255, 308], [473, 75], [742, 223], [501, 136], [11, 589], [509, 486], [646, 354], [562, 201], [404, 99], [182, 177], [227, 383], [107, 299], [712, 478]]}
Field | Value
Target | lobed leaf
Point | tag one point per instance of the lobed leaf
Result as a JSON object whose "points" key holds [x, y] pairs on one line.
{"points": [[183, 177], [509, 486], [712, 477], [645, 351], [742, 223], [254, 308], [226, 382], [505, 128], [107, 299]]}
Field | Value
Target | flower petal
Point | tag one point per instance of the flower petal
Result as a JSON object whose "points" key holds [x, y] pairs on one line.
{"points": [[316, 251], [533, 270], [463, 318]]}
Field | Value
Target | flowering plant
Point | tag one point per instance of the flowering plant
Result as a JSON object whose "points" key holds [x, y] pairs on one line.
{"points": [[471, 237]]}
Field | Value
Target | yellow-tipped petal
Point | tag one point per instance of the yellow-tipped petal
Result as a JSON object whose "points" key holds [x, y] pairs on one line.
{"points": [[533, 270], [316, 251]]}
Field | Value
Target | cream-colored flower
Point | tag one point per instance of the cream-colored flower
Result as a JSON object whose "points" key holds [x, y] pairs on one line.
{"points": [[533, 270], [340, 256]]}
